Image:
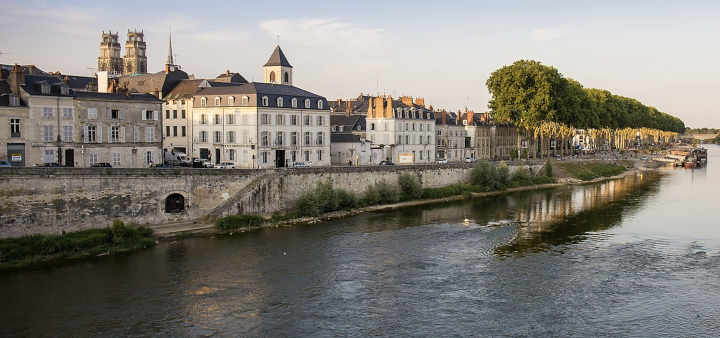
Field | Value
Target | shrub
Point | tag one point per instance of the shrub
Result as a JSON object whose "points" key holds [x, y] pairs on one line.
{"points": [[119, 229], [503, 173], [238, 221], [482, 174], [372, 195], [323, 199], [520, 174], [410, 185], [548, 168], [389, 193]]}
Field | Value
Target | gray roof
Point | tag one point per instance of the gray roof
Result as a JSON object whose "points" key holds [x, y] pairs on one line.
{"points": [[344, 138], [147, 83], [349, 123], [185, 89], [256, 90], [33, 83], [278, 59], [5, 93], [117, 96]]}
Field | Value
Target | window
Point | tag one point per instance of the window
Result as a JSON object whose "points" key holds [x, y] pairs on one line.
{"points": [[293, 102], [245, 100], [306, 155], [182, 112], [14, 127], [93, 158], [45, 89], [149, 157], [175, 114], [203, 102], [167, 130], [287, 77], [167, 114], [217, 137], [67, 133], [136, 134], [293, 138], [114, 134], [333, 129], [319, 155], [114, 114], [183, 131], [320, 138], [306, 138], [294, 120], [272, 77], [217, 101], [264, 156], [279, 101], [231, 136], [149, 115], [264, 119], [203, 137], [47, 112], [14, 100], [217, 118], [149, 134], [320, 104], [265, 101], [307, 103], [203, 119], [67, 113], [48, 133], [341, 128], [231, 101], [116, 159], [279, 139], [90, 134], [306, 120], [372, 126], [231, 155], [264, 138], [49, 155], [320, 120], [175, 131], [279, 120]]}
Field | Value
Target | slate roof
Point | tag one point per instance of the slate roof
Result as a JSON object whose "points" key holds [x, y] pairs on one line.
{"points": [[228, 77], [80, 82], [278, 59], [344, 138], [184, 90], [117, 96], [147, 83], [350, 123], [33, 82], [256, 90], [5, 93], [357, 106]]}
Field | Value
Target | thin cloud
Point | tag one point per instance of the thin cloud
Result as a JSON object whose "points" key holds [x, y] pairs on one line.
{"points": [[544, 34], [326, 33]]}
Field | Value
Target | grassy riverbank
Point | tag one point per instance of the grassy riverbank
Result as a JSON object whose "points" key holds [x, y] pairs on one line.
{"points": [[31, 249]]}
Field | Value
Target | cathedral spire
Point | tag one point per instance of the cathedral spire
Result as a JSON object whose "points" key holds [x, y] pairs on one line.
{"points": [[170, 64]]}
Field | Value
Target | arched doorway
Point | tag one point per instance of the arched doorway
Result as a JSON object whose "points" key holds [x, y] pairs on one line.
{"points": [[175, 203]]}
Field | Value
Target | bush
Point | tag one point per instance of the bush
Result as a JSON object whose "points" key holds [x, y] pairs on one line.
{"points": [[389, 193], [503, 173], [520, 174], [372, 196], [238, 221], [483, 174], [410, 185], [548, 168], [119, 229], [323, 199]]}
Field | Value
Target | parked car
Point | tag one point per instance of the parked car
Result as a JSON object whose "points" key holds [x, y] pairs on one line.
{"points": [[470, 160], [299, 165], [103, 165], [387, 163], [441, 161], [226, 165], [50, 164], [5, 164]]}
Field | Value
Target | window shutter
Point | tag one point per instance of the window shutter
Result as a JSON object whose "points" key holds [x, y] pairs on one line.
{"points": [[122, 114], [143, 114], [109, 114], [109, 134], [85, 134], [155, 115], [99, 134], [136, 134], [122, 134]]}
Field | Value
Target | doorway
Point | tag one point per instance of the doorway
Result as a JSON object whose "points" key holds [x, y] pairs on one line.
{"points": [[69, 157], [280, 159]]}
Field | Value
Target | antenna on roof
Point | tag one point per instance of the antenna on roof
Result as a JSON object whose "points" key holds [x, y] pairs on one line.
{"points": [[278, 40], [1, 53]]}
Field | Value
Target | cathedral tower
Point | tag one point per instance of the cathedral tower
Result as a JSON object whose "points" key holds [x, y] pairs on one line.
{"points": [[278, 69], [135, 59], [110, 60]]}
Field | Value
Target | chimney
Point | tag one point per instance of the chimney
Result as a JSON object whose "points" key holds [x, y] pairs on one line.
{"points": [[103, 82], [156, 93], [66, 79], [227, 72], [470, 117], [420, 101], [444, 117], [16, 79]]}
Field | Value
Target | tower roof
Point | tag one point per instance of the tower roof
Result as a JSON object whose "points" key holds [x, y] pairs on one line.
{"points": [[170, 61], [278, 59]]}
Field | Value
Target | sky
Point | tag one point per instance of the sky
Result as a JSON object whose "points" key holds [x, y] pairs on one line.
{"points": [[665, 54]]}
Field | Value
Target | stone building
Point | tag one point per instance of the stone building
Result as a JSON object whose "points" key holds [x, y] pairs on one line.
{"points": [[347, 140], [262, 125], [503, 139], [402, 131], [133, 62], [14, 117]]}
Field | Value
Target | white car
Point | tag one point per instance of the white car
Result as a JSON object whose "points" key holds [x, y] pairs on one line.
{"points": [[441, 161], [226, 165], [470, 160]]}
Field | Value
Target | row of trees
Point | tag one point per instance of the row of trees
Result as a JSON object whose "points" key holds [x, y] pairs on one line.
{"points": [[543, 104]]}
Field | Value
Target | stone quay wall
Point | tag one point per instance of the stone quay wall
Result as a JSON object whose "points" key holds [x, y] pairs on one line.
{"points": [[53, 200]]}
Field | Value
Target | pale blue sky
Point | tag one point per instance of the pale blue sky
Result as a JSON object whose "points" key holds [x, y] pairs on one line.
{"points": [[663, 53]]}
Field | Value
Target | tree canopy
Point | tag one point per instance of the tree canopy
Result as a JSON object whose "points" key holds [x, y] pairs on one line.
{"points": [[528, 94]]}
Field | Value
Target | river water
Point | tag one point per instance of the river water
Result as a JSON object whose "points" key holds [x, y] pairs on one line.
{"points": [[634, 257]]}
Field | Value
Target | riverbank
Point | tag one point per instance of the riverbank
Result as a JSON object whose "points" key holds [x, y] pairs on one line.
{"points": [[564, 178]]}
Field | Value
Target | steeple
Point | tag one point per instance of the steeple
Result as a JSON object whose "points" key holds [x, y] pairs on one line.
{"points": [[277, 69], [170, 64]]}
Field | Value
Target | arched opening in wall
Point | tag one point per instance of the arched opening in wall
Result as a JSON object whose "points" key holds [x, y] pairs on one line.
{"points": [[175, 203]]}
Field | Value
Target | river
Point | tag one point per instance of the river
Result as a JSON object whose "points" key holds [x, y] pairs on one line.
{"points": [[634, 257]]}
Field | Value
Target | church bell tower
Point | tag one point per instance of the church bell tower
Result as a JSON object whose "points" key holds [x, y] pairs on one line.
{"points": [[135, 59], [110, 60], [278, 70]]}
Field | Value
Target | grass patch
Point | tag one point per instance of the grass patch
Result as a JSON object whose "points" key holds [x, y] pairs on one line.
{"points": [[238, 221], [30, 249], [587, 171]]}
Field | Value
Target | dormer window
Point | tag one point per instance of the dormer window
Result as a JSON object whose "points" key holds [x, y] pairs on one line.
{"points": [[293, 102], [245, 100], [279, 101], [231, 101], [14, 100], [217, 101], [265, 101], [307, 103], [45, 88], [64, 90], [203, 102], [320, 104]]}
